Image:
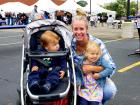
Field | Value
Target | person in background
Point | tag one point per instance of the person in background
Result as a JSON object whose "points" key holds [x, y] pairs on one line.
{"points": [[46, 15], [33, 13], [3, 15], [110, 21], [138, 28], [79, 43], [101, 19]]}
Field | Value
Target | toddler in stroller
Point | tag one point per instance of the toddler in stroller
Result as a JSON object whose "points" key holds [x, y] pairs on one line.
{"points": [[44, 78], [45, 70]]}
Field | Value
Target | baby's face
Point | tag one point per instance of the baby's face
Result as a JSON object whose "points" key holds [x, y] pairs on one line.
{"points": [[52, 47]]}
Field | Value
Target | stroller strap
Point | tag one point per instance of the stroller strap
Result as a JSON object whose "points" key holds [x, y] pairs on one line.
{"points": [[41, 61]]}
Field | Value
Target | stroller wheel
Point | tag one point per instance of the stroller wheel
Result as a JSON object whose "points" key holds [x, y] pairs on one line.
{"points": [[71, 96], [27, 99], [18, 101]]}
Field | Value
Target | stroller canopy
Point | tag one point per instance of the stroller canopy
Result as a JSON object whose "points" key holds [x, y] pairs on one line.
{"points": [[49, 24]]}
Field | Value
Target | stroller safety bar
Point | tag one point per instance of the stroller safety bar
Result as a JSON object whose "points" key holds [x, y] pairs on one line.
{"points": [[48, 54], [54, 95]]}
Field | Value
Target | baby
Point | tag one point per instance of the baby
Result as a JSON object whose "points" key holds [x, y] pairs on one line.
{"points": [[42, 79]]}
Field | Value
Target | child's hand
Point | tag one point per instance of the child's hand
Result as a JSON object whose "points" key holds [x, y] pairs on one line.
{"points": [[96, 75], [35, 68], [62, 73]]}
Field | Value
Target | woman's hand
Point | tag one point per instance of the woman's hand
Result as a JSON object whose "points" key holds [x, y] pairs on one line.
{"points": [[96, 75], [62, 73], [35, 68], [91, 68]]}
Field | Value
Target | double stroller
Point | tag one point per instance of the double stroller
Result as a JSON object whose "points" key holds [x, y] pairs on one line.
{"points": [[65, 92]]}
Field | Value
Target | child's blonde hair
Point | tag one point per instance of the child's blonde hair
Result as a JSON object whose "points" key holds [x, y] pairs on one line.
{"points": [[92, 45], [49, 37]]}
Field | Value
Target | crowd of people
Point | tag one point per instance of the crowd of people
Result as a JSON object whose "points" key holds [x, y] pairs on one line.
{"points": [[9, 18]]}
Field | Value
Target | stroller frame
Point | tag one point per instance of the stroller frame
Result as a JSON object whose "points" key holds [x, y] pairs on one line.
{"points": [[31, 29]]}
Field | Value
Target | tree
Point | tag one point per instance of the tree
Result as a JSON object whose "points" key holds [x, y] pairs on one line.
{"points": [[82, 3], [120, 7], [133, 9]]}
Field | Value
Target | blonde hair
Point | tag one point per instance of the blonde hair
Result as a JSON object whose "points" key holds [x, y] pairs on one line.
{"points": [[49, 37], [80, 12], [80, 18], [92, 45]]}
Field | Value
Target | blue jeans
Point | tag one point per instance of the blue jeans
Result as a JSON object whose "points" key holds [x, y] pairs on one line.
{"points": [[82, 101], [43, 75], [109, 91]]}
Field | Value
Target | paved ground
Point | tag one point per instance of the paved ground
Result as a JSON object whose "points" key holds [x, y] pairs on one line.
{"points": [[108, 33]]}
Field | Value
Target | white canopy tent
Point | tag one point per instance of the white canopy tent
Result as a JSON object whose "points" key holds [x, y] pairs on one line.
{"points": [[95, 8], [48, 5], [45, 5], [15, 7], [69, 5]]}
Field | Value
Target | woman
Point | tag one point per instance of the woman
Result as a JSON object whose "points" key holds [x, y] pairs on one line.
{"points": [[79, 43]]}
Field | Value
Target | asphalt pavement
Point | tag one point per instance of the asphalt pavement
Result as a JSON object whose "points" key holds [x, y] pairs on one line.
{"points": [[108, 33]]}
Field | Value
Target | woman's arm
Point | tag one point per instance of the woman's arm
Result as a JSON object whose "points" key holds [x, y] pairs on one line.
{"points": [[90, 68], [108, 68]]}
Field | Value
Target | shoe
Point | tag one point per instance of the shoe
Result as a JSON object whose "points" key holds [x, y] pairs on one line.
{"points": [[34, 86], [83, 87], [138, 50], [46, 88]]}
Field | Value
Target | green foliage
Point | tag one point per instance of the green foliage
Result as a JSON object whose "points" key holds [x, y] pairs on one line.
{"points": [[82, 3], [120, 6], [133, 9], [102, 14]]}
